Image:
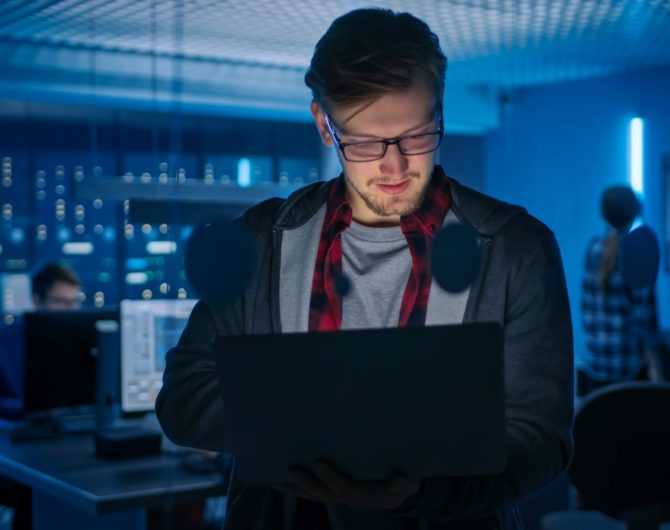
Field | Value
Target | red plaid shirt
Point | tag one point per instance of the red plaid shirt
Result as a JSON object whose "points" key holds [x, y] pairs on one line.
{"points": [[419, 228]]}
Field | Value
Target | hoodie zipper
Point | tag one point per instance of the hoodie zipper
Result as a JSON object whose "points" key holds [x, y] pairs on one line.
{"points": [[275, 259], [473, 302]]}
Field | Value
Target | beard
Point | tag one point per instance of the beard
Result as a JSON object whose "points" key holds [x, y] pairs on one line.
{"points": [[391, 205]]}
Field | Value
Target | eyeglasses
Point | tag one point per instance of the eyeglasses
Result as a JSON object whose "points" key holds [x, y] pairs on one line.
{"points": [[61, 302], [368, 151]]}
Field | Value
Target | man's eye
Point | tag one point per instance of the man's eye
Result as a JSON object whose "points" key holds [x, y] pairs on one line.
{"points": [[372, 146]]}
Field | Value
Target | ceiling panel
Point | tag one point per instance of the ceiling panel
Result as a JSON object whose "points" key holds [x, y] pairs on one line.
{"points": [[500, 42]]}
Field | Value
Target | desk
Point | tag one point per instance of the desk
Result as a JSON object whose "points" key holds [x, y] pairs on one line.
{"points": [[72, 488]]}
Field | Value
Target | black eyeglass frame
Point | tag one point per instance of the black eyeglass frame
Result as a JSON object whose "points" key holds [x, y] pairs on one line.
{"points": [[394, 141]]}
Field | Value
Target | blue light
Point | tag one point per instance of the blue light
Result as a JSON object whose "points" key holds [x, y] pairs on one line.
{"points": [[17, 235], [186, 232], [635, 156], [243, 172], [136, 264], [109, 234], [63, 234]]}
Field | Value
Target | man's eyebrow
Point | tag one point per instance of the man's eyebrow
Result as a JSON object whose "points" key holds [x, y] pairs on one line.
{"points": [[343, 131]]}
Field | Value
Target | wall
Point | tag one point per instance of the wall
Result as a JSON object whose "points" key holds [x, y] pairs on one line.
{"points": [[51, 153], [560, 145]]}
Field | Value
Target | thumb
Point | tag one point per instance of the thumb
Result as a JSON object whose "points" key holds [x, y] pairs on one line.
{"points": [[398, 484]]}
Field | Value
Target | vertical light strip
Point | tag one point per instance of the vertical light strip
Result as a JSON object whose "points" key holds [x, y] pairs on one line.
{"points": [[636, 174], [243, 172]]}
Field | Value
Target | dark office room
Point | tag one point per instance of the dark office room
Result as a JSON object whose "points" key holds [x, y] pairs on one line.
{"points": [[193, 336]]}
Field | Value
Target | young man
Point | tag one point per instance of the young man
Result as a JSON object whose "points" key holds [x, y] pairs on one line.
{"points": [[56, 287], [377, 80]]}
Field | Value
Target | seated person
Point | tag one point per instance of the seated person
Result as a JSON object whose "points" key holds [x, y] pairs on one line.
{"points": [[54, 287]]}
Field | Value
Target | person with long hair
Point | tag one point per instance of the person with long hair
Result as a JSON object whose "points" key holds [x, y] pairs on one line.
{"points": [[615, 316]]}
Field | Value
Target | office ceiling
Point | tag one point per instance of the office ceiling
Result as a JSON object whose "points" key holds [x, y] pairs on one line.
{"points": [[489, 43], [505, 42]]}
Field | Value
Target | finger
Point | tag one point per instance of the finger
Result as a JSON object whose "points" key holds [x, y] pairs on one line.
{"points": [[387, 494], [290, 489], [403, 485], [369, 493], [309, 483], [398, 490], [337, 483]]}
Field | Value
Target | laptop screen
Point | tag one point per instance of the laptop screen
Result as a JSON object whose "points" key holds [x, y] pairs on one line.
{"points": [[419, 401]]}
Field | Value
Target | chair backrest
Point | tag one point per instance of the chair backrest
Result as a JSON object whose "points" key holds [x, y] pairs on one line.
{"points": [[622, 448]]}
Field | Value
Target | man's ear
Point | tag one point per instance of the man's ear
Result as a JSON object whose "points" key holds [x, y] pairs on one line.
{"points": [[320, 121]]}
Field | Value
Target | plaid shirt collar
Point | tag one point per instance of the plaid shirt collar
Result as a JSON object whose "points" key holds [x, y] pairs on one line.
{"points": [[426, 220], [419, 228]]}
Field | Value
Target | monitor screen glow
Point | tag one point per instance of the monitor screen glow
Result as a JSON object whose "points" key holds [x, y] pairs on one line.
{"points": [[149, 328]]}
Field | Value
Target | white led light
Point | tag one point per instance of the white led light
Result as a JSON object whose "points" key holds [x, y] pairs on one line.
{"points": [[635, 156], [244, 172], [161, 247], [78, 248], [137, 278]]}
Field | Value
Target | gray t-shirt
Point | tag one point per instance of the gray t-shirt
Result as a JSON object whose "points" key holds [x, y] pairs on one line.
{"points": [[377, 262]]}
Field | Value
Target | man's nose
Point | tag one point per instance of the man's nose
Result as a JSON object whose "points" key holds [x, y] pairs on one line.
{"points": [[393, 162]]}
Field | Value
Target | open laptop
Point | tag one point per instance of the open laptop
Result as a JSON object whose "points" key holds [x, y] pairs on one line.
{"points": [[419, 402]]}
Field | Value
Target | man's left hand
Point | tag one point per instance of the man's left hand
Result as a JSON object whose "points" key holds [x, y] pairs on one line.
{"points": [[325, 484]]}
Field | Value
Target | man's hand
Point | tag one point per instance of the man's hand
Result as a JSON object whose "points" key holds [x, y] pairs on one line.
{"points": [[325, 484]]}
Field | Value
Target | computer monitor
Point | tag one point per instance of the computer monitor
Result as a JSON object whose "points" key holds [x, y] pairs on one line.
{"points": [[149, 328], [16, 293], [59, 367]]}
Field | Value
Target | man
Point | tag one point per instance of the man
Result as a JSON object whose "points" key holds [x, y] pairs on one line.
{"points": [[377, 79], [56, 287]]}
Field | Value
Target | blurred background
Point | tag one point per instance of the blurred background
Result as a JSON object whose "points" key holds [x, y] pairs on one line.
{"points": [[125, 122], [117, 116]]}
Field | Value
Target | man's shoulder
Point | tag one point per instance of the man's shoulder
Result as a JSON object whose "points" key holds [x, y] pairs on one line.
{"points": [[508, 223], [287, 212], [487, 214]]}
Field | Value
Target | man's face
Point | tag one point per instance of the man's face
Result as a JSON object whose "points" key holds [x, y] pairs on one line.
{"points": [[382, 190], [61, 296]]}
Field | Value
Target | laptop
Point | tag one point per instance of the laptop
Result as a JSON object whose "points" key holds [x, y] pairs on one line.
{"points": [[374, 403]]}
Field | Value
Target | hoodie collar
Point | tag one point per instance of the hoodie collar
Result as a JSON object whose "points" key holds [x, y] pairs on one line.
{"points": [[485, 214]]}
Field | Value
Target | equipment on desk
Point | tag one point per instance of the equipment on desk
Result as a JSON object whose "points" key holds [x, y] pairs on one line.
{"points": [[125, 441], [59, 371], [418, 401], [135, 351], [59, 366], [114, 438], [149, 328], [88, 363]]}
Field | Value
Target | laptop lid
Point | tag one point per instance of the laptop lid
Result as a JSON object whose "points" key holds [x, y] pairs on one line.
{"points": [[420, 402]]}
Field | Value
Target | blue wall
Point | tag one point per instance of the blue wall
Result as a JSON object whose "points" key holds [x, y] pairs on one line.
{"points": [[560, 145]]}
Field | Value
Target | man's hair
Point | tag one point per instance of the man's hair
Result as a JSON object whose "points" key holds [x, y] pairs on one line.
{"points": [[367, 53], [51, 273]]}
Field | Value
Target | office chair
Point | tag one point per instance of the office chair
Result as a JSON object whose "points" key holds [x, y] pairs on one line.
{"points": [[621, 466]]}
